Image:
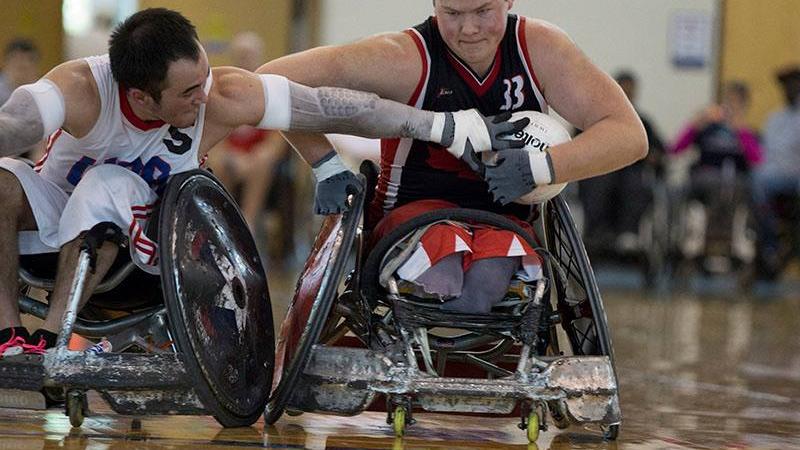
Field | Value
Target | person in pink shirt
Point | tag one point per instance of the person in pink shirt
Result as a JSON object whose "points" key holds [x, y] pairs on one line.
{"points": [[728, 150], [720, 133]]}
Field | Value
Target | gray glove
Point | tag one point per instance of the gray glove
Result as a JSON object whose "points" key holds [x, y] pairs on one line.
{"points": [[517, 173], [334, 183], [467, 133]]}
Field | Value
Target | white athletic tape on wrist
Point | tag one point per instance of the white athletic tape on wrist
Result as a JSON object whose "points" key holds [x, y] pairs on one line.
{"points": [[277, 103], [469, 125], [540, 168], [437, 128], [329, 168], [50, 102]]}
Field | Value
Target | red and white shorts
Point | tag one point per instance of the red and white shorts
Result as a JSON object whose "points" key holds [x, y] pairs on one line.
{"points": [[106, 193], [443, 239]]}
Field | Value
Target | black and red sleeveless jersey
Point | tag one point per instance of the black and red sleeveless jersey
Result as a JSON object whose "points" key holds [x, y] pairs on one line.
{"points": [[413, 170]]}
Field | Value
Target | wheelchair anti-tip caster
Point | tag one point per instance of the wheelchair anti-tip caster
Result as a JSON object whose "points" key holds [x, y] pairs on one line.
{"points": [[76, 407], [399, 421], [611, 432]]}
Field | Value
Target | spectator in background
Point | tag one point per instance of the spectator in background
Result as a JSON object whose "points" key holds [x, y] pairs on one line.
{"points": [[721, 134], [20, 66], [248, 159], [614, 203], [779, 175]]}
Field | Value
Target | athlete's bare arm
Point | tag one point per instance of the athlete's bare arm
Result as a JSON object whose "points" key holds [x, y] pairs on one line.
{"points": [[238, 97], [613, 135], [81, 96], [387, 64], [73, 91]]}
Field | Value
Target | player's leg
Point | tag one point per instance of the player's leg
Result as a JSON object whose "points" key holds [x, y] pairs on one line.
{"points": [[106, 193]]}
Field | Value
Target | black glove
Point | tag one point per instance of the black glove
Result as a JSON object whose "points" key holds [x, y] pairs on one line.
{"points": [[330, 196], [334, 183]]}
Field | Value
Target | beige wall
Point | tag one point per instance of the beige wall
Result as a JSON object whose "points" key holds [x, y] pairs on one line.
{"points": [[758, 38], [217, 22], [36, 20]]}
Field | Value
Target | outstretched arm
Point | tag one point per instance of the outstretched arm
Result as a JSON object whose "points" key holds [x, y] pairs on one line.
{"points": [[288, 106]]}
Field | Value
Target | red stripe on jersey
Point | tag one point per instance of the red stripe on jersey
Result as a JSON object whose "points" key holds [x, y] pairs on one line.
{"points": [[477, 86], [423, 77], [50, 141], [127, 111], [524, 43]]}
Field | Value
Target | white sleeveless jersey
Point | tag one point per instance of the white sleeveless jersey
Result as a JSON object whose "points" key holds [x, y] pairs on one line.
{"points": [[152, 149]]}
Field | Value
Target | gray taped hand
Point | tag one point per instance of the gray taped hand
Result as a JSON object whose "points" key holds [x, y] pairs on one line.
{"points": [[511, 178], [499, 130], [330, 195]]}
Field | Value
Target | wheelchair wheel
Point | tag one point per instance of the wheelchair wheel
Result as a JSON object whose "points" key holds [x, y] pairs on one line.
{"points": [[579, 304], [317, 288], [217, 299]]}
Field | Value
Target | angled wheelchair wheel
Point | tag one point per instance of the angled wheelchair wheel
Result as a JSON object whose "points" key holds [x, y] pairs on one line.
{"points": [[579, 304], [317, 288], [217, 298]]}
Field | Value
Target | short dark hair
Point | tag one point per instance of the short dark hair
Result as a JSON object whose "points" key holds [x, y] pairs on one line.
{"points": [[739, 88], [142, 47], [21, 45], [625, 76]]}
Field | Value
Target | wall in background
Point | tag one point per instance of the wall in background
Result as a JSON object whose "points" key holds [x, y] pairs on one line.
{"points": [[36, 20], [217, 23], [759, 38], [615, 34]]}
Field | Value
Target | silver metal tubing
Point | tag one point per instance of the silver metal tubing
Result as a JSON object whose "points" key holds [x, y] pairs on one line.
{"points": [[75, 293]]}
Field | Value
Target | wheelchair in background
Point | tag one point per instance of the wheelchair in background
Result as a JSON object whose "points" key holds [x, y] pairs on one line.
{"points": [[196, 340], [714, 230], [353, 340]]}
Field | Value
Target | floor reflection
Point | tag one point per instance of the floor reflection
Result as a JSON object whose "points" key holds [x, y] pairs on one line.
{"points": [[695, 372]]}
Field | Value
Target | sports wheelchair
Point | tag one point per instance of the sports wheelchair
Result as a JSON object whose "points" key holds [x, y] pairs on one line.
{"points": [[715, 228], [196, 340], [351, 336]]}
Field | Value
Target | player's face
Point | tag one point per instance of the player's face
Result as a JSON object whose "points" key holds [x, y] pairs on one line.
{"points": [[473, 28], [183, 94]]}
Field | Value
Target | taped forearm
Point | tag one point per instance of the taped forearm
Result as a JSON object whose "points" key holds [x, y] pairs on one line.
{"points": [[21, 124], [338, 110], [295, 107]]}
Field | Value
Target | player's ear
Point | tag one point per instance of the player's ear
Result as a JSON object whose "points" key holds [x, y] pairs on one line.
{"points": [[140, 97], [510, 3]]}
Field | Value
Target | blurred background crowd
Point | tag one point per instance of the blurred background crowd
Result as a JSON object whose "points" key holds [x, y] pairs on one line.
{"points": [[719, 96]]}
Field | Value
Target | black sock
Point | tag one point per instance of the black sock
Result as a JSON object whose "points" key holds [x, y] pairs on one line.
{"points": [[6, 333], [48, 336]]}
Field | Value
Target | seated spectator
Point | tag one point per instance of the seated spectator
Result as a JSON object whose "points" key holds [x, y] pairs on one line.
{"points": [[614, 203], [720, 134], [779, 175], [246, 161]]}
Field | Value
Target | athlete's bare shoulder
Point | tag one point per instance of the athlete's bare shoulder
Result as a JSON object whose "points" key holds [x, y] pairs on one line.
{"points": [[81, 97], [387, 64]]}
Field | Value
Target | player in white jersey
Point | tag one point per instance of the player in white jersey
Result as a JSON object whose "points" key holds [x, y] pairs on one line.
{"points": [[119, 125]]}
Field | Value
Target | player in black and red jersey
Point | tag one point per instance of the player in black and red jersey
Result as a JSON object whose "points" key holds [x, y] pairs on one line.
{"points": [[475, 54]]}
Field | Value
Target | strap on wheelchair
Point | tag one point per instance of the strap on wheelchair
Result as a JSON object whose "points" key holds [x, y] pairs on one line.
{"points": [[94, 239]]}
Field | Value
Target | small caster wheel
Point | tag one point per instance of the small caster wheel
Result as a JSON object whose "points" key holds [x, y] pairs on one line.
{"points": [[559, 414], [533, 427], [75, 404], [399, 422], [611, 432]]}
